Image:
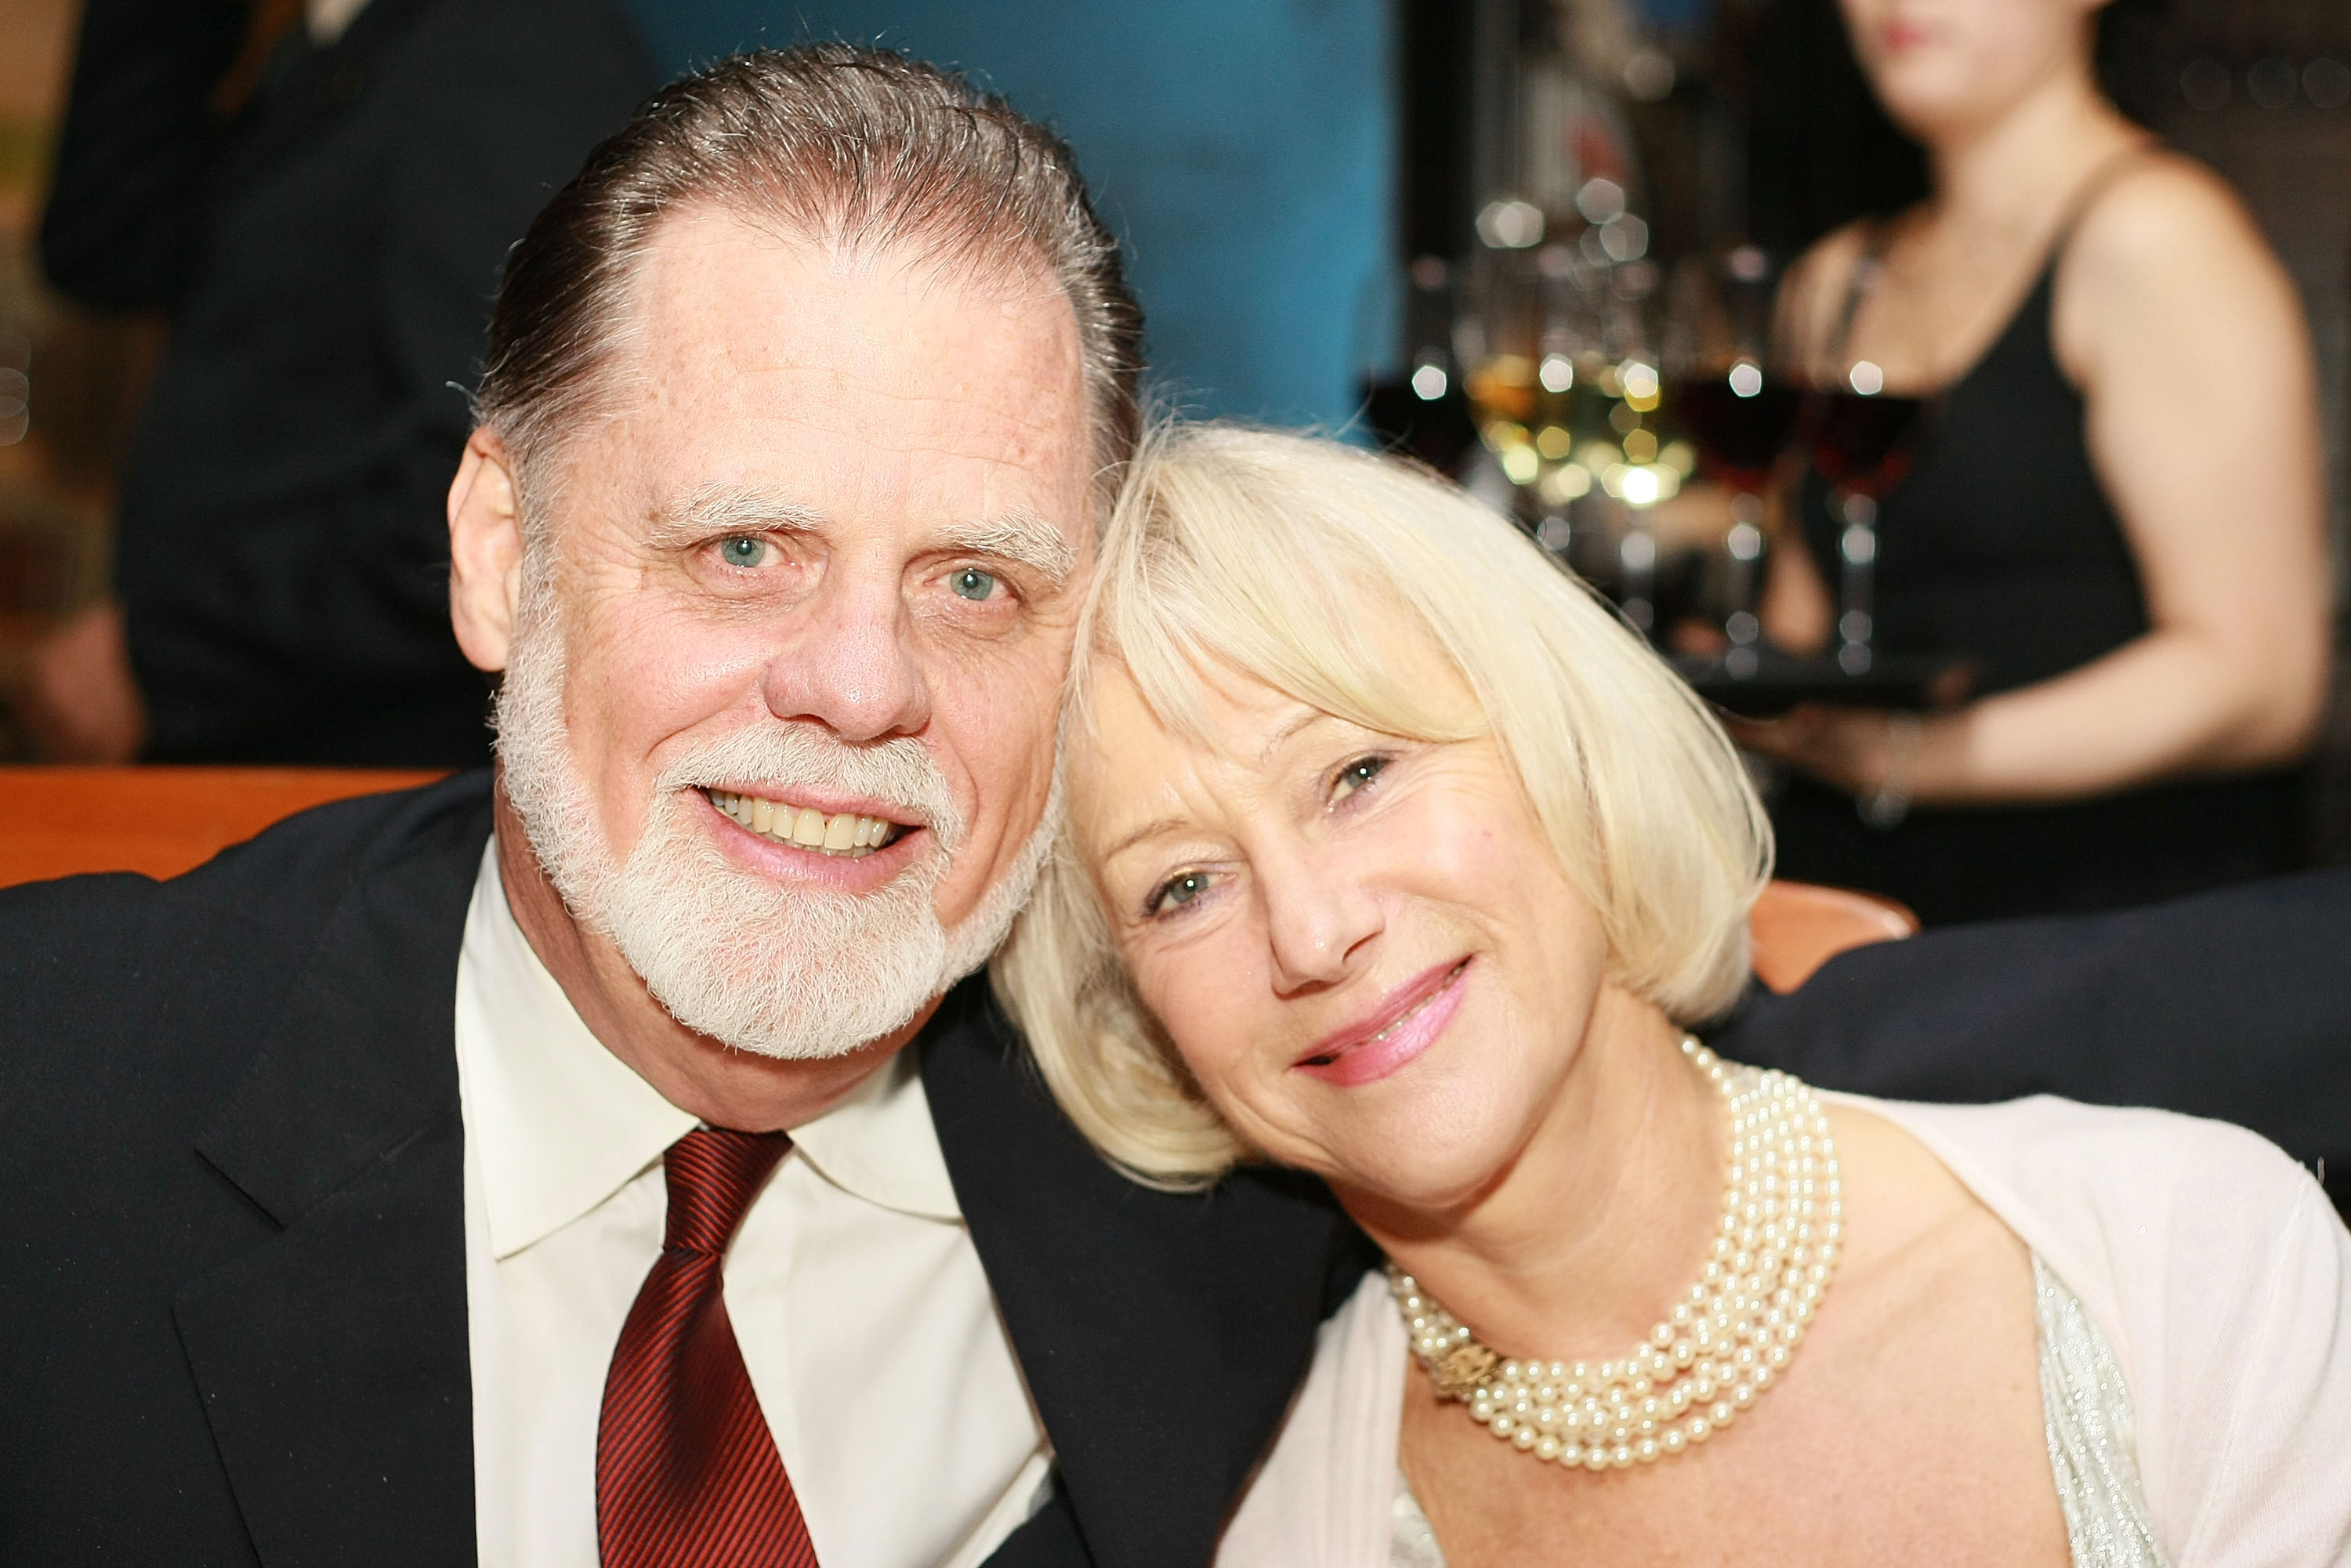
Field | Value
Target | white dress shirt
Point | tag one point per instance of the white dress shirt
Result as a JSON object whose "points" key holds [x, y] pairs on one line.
{"points": [[865, 1322]]}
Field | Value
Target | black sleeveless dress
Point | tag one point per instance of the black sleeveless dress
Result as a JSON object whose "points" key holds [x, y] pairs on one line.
{"points": [[2001, 544]]}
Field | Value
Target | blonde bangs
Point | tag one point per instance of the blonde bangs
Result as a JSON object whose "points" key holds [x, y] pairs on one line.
{"points": [[1261, 585]]}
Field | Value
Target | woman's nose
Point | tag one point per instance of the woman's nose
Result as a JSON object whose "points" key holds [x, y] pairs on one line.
{"points": [[1319, 916]]}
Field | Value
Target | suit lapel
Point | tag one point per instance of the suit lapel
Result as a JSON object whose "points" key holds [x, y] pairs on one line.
{"points": [[1160, 1334], [332, 1361]]}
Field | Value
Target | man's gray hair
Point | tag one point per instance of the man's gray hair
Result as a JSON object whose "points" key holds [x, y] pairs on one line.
{"points": [[859, 149]]}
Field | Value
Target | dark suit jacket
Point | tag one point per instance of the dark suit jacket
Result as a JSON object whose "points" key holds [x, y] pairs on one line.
{"points": [[2234, 1005], [328, 258], [232, 1241]]}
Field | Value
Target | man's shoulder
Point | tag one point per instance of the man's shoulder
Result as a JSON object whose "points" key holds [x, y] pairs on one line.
{"points": [[120, 963], [231, 1198]]}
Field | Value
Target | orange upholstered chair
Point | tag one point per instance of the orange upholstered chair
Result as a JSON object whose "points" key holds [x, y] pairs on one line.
{"points": [[1797, 926], [56, 821]]}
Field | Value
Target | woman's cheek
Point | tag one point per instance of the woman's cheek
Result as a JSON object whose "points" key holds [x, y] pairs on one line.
{"points": [[1216, 1043], [1179, 988]]}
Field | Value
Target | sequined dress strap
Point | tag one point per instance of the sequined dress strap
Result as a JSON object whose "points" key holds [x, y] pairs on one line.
{"points": [[2085, 1412], [2093, 1440]]}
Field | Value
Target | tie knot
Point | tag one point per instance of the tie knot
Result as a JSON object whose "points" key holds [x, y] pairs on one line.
{"points": [[712, 1176]]}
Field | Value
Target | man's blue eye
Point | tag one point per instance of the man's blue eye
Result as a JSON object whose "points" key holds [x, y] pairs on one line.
{"points": [[973, 583], [743, 550]]}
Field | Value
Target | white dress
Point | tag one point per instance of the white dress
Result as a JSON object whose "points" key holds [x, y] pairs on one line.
{"points": [[2193, 1288]]}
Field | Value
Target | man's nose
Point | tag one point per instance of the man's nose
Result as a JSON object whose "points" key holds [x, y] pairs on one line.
{"points": [[853, 665], [1319, 916]]}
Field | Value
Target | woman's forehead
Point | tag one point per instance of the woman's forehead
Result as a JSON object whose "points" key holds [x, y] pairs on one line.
{"points": [[1402, 683], [1234, 720]]}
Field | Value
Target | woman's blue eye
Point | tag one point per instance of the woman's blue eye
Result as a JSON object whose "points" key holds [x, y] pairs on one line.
{"points": [[1356, 775], [973, 583], [743, 550], [1179, 890]]}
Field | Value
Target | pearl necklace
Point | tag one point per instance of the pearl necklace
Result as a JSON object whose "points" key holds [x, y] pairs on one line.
{"points": [[1719, 1349]]}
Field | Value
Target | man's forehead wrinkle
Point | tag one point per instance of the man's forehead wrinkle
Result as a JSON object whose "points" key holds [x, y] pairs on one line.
{"points": [[889, 390], [688, 273], [933, 419], [995, 444], [1000, 441]]}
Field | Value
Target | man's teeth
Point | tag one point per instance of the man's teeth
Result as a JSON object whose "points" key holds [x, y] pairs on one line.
{"points": [[844, 833]]}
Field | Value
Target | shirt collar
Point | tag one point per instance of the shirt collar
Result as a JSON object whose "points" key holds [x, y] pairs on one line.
{"points": [[560, 1123]]}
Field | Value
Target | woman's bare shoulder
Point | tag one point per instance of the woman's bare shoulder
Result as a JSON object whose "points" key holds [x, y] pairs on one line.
{"points": [[2168, 225], [2166, 269], [2163, 194]]}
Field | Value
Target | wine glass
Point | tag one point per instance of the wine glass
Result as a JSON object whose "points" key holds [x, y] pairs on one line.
{"points": [[1729, 394], [1527, 344], [1558, 362], [1862, 438]]}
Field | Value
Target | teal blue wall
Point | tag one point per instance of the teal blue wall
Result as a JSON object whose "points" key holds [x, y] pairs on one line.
{"points": [[1241, 148]]}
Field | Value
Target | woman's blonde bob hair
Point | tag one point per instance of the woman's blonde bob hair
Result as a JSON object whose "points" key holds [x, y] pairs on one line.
{"points": [[1326, 573]]}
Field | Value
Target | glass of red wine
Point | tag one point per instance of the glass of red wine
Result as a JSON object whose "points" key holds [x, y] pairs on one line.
{"points": [[1862, 439], [1729, 393]]}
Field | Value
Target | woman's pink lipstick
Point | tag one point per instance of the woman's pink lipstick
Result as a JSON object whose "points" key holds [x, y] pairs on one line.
{"points": [[1407, 1024]]}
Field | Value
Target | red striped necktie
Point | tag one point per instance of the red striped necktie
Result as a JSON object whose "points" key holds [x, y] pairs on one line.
{"points": [[686, 1471]]}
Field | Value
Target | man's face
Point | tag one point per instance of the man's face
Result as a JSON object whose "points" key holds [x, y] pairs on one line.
{"points": [[820, 573]]}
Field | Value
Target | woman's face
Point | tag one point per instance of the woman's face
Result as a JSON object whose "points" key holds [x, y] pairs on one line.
{"points": [[1944, 67], [1364, 948]]}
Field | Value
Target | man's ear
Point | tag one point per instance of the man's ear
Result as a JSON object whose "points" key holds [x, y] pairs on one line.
{"points": [[484, 550]]}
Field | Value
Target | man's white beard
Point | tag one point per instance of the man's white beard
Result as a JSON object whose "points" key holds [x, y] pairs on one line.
{"points": [[787, 971]]}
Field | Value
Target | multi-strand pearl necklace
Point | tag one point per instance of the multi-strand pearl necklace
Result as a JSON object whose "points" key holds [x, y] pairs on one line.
{"points": [[1720, 1347]]}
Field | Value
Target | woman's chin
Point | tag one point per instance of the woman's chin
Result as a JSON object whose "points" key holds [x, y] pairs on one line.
{"points": [[1927, 107], [1435, 1143]]}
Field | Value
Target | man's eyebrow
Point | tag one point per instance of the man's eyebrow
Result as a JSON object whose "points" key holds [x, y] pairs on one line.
{"points": [[1020, 536], [714, 511]]}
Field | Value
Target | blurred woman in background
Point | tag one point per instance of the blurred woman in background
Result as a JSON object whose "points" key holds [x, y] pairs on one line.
{"points": [[2115, 504]]}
